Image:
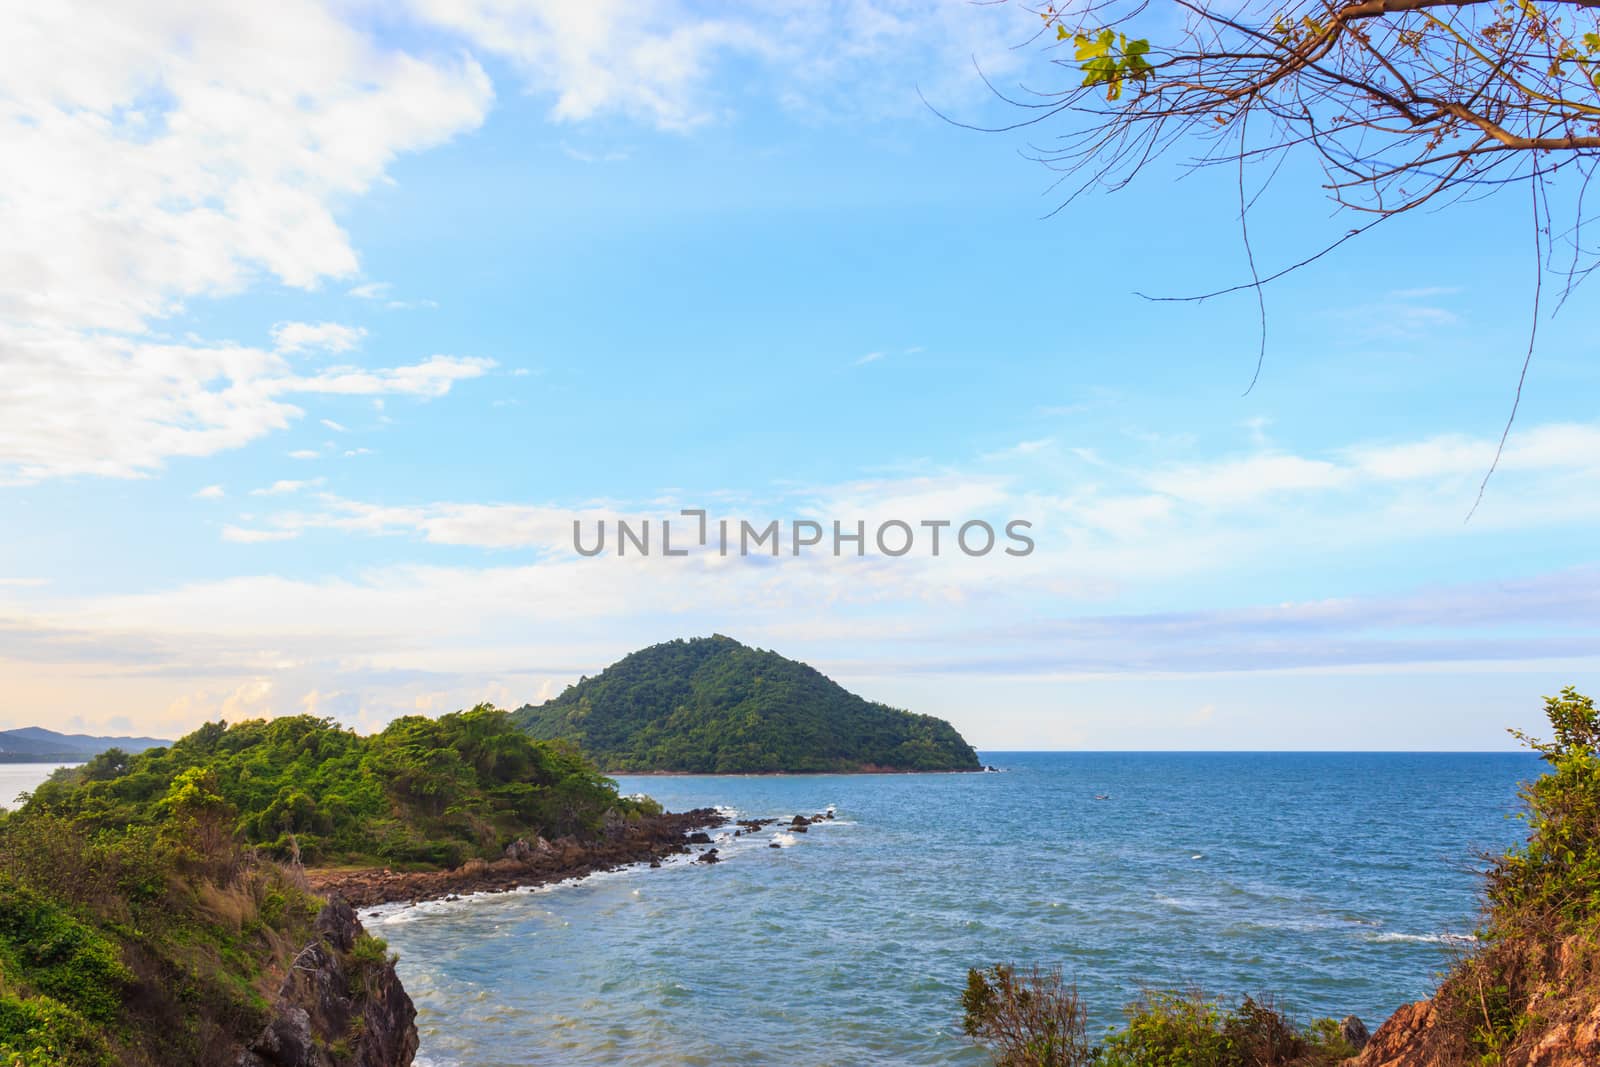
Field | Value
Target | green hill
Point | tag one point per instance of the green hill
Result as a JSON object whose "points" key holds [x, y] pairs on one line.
{"points": [[711, 705], [422, 792]]}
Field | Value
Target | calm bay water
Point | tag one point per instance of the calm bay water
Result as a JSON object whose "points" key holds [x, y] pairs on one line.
{"points": [[23, 778], [1337, 882]]}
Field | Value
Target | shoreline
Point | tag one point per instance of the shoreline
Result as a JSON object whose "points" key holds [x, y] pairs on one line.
{"points": [[541, 863], [786, 774]]}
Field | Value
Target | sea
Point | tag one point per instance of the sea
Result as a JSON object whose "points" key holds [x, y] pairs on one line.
{"points": [[19, 778], [1335, 883]]}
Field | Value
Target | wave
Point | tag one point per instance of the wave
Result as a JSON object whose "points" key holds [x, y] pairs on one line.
{"points": [[1425, 939], [785, 840]]}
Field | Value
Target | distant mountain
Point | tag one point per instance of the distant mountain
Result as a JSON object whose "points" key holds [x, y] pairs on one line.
{"points": [[34, 744], [711, 705]]}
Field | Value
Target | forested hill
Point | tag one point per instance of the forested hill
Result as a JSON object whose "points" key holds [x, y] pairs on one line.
{"points": [[422, 792], [711, 705]]}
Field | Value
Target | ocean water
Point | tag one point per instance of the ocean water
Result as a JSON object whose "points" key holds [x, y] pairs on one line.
{"points": [[18, 778], [1338, 883]]}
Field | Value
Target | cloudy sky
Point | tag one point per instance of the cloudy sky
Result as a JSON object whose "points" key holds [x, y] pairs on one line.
{"points": [[320, 323]]}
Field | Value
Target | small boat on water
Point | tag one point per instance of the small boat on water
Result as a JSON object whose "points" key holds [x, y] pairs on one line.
{"points": [[1102, 796]]}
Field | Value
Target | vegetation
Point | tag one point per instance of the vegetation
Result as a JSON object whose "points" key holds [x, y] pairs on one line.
{"points": [[1539, 948], [423, 792], [1534, 977], [142, 920], [1036, 1020], [138, 946], [714, 706], [1031, 1020]]}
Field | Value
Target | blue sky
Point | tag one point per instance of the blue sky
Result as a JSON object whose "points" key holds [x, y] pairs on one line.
{"points": [[324, 323]]}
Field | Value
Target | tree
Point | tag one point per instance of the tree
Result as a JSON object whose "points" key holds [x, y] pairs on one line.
{"points": [[1029, 1020], [1403, 103]]}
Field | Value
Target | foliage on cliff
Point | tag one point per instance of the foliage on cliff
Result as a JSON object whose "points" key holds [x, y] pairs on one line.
{"points": [[1035, 1019], [138, 947], [1533, 985], [422, 792], [712, 705]]}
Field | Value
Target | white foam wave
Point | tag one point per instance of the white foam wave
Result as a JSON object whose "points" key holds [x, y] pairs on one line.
{"points": [[1426, 939], [785, 840]]}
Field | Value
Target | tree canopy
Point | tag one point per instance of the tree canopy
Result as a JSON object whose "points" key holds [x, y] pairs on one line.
{"points": [[423, 791], [714, 706]]}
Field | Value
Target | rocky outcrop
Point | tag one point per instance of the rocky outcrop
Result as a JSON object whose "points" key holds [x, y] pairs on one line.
{"points": [[338, 1006], [1354, 1032], [639, 841], [1561, 1028]]}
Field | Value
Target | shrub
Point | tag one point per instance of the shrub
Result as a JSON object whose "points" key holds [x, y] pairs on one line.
{"points": [[1034, 1020], [43, 1032], [1030, 1020]]}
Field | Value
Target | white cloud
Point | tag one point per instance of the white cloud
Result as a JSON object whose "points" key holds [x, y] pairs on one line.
{"points": [[169, 154], [286, 485], [370, 291], [304, 453], [245, 536], [1236, 481], [112, 406], [870, 357], [655, 62], [1022, 448], [334, 426], [297, 337], [211, 492]]}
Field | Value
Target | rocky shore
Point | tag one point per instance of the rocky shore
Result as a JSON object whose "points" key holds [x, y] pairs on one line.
{"points": [[525, 863]]}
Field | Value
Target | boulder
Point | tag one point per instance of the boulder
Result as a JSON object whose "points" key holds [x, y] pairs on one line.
{"points": [[319, 1007], [1354, 1032], [699, 837]]}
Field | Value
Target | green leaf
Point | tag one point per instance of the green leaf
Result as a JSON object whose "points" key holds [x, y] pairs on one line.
{"points": [[1091, 48]]}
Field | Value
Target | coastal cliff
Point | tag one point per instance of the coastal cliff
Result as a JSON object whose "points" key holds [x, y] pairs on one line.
{"points": [[340, 1005], [1529, 996], [1556, 1023]]}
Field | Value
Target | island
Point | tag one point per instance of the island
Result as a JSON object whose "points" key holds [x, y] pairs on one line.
{"points": [[712, 705]]}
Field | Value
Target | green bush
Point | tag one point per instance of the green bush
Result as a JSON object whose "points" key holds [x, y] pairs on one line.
{"points": [[47, 948], [1035, 1020], [423, 792], [43, 1032]]}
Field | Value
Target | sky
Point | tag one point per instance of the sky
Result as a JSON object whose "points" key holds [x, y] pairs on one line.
{"points": [[321, 323]]}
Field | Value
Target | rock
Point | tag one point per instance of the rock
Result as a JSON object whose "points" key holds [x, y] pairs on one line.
{"points": [[317, 1008], [655, 863], [1354, 1032], [699, 837], [799, 820], [799, 828], [773, 844], [709, 856]]}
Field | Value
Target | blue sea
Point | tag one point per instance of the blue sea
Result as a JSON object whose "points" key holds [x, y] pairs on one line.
{"points": [[1337, 883]]}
